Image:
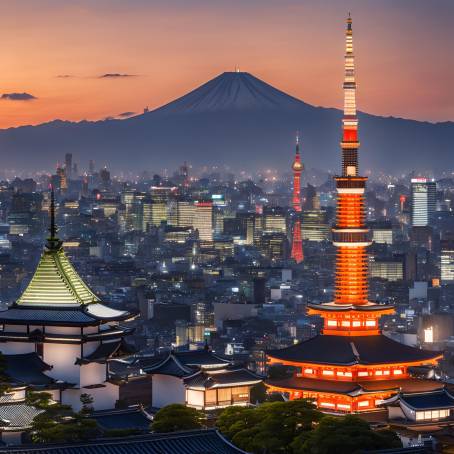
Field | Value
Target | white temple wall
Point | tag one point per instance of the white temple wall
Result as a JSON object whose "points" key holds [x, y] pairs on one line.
{"points": [[90, 329], [167, 390], [104, 397], [195, 398], [92, 374], [63, 330], [16, 348], [15, 328], [62, 357], [409, 413], [395, 413]]}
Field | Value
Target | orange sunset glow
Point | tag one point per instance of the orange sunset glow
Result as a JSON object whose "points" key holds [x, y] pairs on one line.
{"points": [[167, 49]]}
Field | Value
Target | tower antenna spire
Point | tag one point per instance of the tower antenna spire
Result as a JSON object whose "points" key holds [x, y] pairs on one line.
{"points": [[297, 167], [53, 242]]}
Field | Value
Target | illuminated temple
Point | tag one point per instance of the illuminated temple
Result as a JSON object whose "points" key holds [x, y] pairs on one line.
{"points": [[351, 366], [58, 336]]}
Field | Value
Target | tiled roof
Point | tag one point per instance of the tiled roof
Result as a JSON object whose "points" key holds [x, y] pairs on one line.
{"points": [[56, 283], [27, 368], [200, 358], [193, 442], [170, 366], [428, 400], [222, 378], [106, 350], [349, 350], [133, 418], [16, 416], [43, 315]]}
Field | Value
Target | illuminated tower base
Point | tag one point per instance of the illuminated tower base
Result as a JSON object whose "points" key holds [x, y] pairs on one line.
{"points": [[297, 243], [351, 367]]}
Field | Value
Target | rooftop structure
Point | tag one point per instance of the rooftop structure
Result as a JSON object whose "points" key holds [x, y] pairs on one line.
{"points": [[200, 379], [59, 336], [351, 366]]}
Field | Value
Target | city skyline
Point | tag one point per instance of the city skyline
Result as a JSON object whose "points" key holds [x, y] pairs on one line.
{"points": [[87, 65]]}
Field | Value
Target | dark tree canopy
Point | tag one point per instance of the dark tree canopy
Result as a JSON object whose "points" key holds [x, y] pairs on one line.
{"points": [[269, 428], [344, 435], [296, 427], [58, 423], [177, 417]]}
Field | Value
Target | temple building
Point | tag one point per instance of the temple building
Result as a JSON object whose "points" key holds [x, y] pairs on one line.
{"points": [[200, 379], [58, 336], [351, 366]]}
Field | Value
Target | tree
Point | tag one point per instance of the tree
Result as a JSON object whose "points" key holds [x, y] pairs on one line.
{"points": [[269, 428], [87, 403], [177, 417], [58, 423], [344, 435]]}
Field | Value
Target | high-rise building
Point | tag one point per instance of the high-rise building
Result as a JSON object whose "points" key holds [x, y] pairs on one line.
{"points": [[447, 261], [423, 201], [315, 225], [297, 242], [68, 165], [185, 213], [351, 366], [203, 220], [382, 232], [274, 220]]}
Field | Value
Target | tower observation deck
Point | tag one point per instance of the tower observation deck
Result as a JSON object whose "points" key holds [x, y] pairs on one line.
{"points": [[350, 366]]}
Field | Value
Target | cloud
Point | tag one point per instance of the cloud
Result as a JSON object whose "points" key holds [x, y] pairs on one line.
{"points": [[115, 75], [126, 114], [64, 76], [18, 96]]}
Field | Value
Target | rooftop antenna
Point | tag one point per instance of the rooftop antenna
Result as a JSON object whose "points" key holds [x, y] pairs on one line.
{"points": [[53, 242]]}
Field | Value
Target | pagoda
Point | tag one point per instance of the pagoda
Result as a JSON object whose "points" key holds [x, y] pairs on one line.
{"points": [[351, 366], [58, 336]]}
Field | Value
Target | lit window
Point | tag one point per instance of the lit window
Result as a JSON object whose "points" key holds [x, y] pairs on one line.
{"points": [[427, 415], [363, 403], [370, 323], [343, 406], [345, 323], [332, 322], [362, 374], [308, 371], [435, 414], [327, 404], [328, 372], [419, 415], [378, 372], [386, 372], [356, 323], [397, 372]]}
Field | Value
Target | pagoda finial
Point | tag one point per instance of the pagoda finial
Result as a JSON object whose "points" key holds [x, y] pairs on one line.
{"points": [[53, 242]]}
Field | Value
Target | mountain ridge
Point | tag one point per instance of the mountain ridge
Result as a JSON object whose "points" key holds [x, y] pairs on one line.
{"points": [[234, 119]]}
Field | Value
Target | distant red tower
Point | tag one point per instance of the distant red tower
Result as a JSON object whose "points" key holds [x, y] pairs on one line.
{"points": [[297, 242]]}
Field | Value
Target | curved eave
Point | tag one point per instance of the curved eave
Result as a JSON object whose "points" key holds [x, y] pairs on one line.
{"points": [[351, 308], [355, 364]]}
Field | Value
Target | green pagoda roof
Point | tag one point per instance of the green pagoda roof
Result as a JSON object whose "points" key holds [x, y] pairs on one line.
{"points": [[56, 283]]}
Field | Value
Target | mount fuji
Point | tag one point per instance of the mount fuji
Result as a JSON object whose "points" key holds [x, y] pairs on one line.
{"points": [[234, 119]]}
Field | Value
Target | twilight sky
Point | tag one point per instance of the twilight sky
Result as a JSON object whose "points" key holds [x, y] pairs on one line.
{"points": [[154, 51]]}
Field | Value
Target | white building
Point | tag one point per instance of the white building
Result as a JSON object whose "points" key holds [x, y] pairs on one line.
{"points": [[65, 333]]}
